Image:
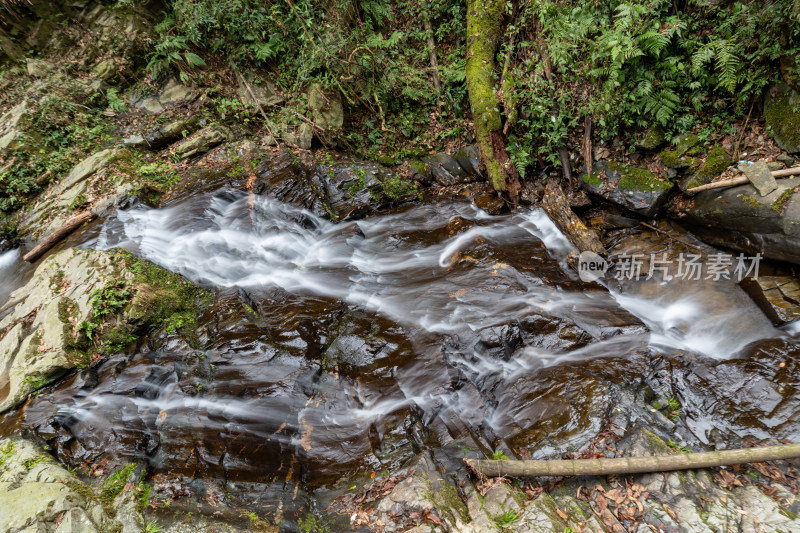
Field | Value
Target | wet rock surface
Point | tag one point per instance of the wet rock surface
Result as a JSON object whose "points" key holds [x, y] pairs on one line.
{"points": [[742, 219], [367, 358], [636, 189], [37, 494]]}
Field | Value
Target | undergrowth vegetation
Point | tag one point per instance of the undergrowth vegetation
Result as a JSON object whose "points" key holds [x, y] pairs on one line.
{"points": [[632, 64], [373, 52], [626, 64]]}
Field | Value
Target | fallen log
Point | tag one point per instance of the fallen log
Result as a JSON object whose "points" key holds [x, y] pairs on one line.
{"points": [[632, 465], [557, 207], [741, 180], [54, 238]]}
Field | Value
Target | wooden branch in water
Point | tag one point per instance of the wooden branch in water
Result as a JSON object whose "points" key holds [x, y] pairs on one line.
{"points": [[557, 207], [633, 465], [742, 180], [58, 235]]}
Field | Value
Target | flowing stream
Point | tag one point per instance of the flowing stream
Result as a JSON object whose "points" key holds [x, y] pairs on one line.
{"points": [[328, 342]]}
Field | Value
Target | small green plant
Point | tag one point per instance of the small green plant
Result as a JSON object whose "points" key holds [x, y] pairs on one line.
{"points": [[110, 299], [160, 174], [677, 447], [499, 456], [114, 101], [31, 463], [153, 527], [35, 382], [310, 524], [6, 452], [78, 202], [505, 520], [115, 483]]}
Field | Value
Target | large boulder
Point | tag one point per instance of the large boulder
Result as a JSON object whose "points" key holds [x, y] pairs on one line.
{"points": [[203, 141], [265, 92], [10, 133], [78, 306], [782, 111], [742, 219], [715, 163], [636, 189], [39, 495], [43, 338], [327, 112]]}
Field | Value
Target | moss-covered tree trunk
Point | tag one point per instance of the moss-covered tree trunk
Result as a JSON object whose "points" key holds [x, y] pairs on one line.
{"points": [[484, 30]]}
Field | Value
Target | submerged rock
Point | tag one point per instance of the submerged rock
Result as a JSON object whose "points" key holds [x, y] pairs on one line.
{"points": [[783, 117], [777, 296], [38, 495], [636, 189]]}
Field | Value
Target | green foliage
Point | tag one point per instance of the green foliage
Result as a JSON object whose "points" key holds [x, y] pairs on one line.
{"points": [[30, 464], [499, 456], [506, 520], [58, 132], [6, 452], [115, 484], [373, 52], [631, 63], [310, 524], [114, 101], [159, 174], [153, 527], [110, 299]]}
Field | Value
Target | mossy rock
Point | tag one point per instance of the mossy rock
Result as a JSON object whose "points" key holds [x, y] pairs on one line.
{"points": [[652, 139], [782, 111], [689, 144], [633, 188], [715, 164], [672, 159]]}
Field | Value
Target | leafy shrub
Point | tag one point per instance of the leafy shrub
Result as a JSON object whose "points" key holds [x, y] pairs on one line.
{"points": [[630, 63]]}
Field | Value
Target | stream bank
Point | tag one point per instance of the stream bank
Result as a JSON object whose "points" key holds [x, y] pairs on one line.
{"points": [[296, 340]]}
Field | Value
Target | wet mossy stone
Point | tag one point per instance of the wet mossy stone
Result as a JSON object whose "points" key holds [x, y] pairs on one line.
{"points": [[684, 155], [715, 164], [633, 188], [652, 138], [782, 111]]}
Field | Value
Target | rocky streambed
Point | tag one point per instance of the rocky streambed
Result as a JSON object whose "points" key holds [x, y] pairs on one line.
{"points": [[235, 360]]}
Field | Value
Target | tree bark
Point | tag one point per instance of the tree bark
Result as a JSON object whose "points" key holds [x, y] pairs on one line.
{"points": [[557, 208], [426, 22], [484, 30], [633, 465], [54, 238]]}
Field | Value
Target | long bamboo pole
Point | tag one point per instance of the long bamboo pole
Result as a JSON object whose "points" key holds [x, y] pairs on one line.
{"points": [[633, 465], [741, 180]]}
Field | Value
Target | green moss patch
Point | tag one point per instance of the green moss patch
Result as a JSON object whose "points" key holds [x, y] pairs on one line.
{"points": [[716, 163], [779, 204], [641, 179], [783, 118]]}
